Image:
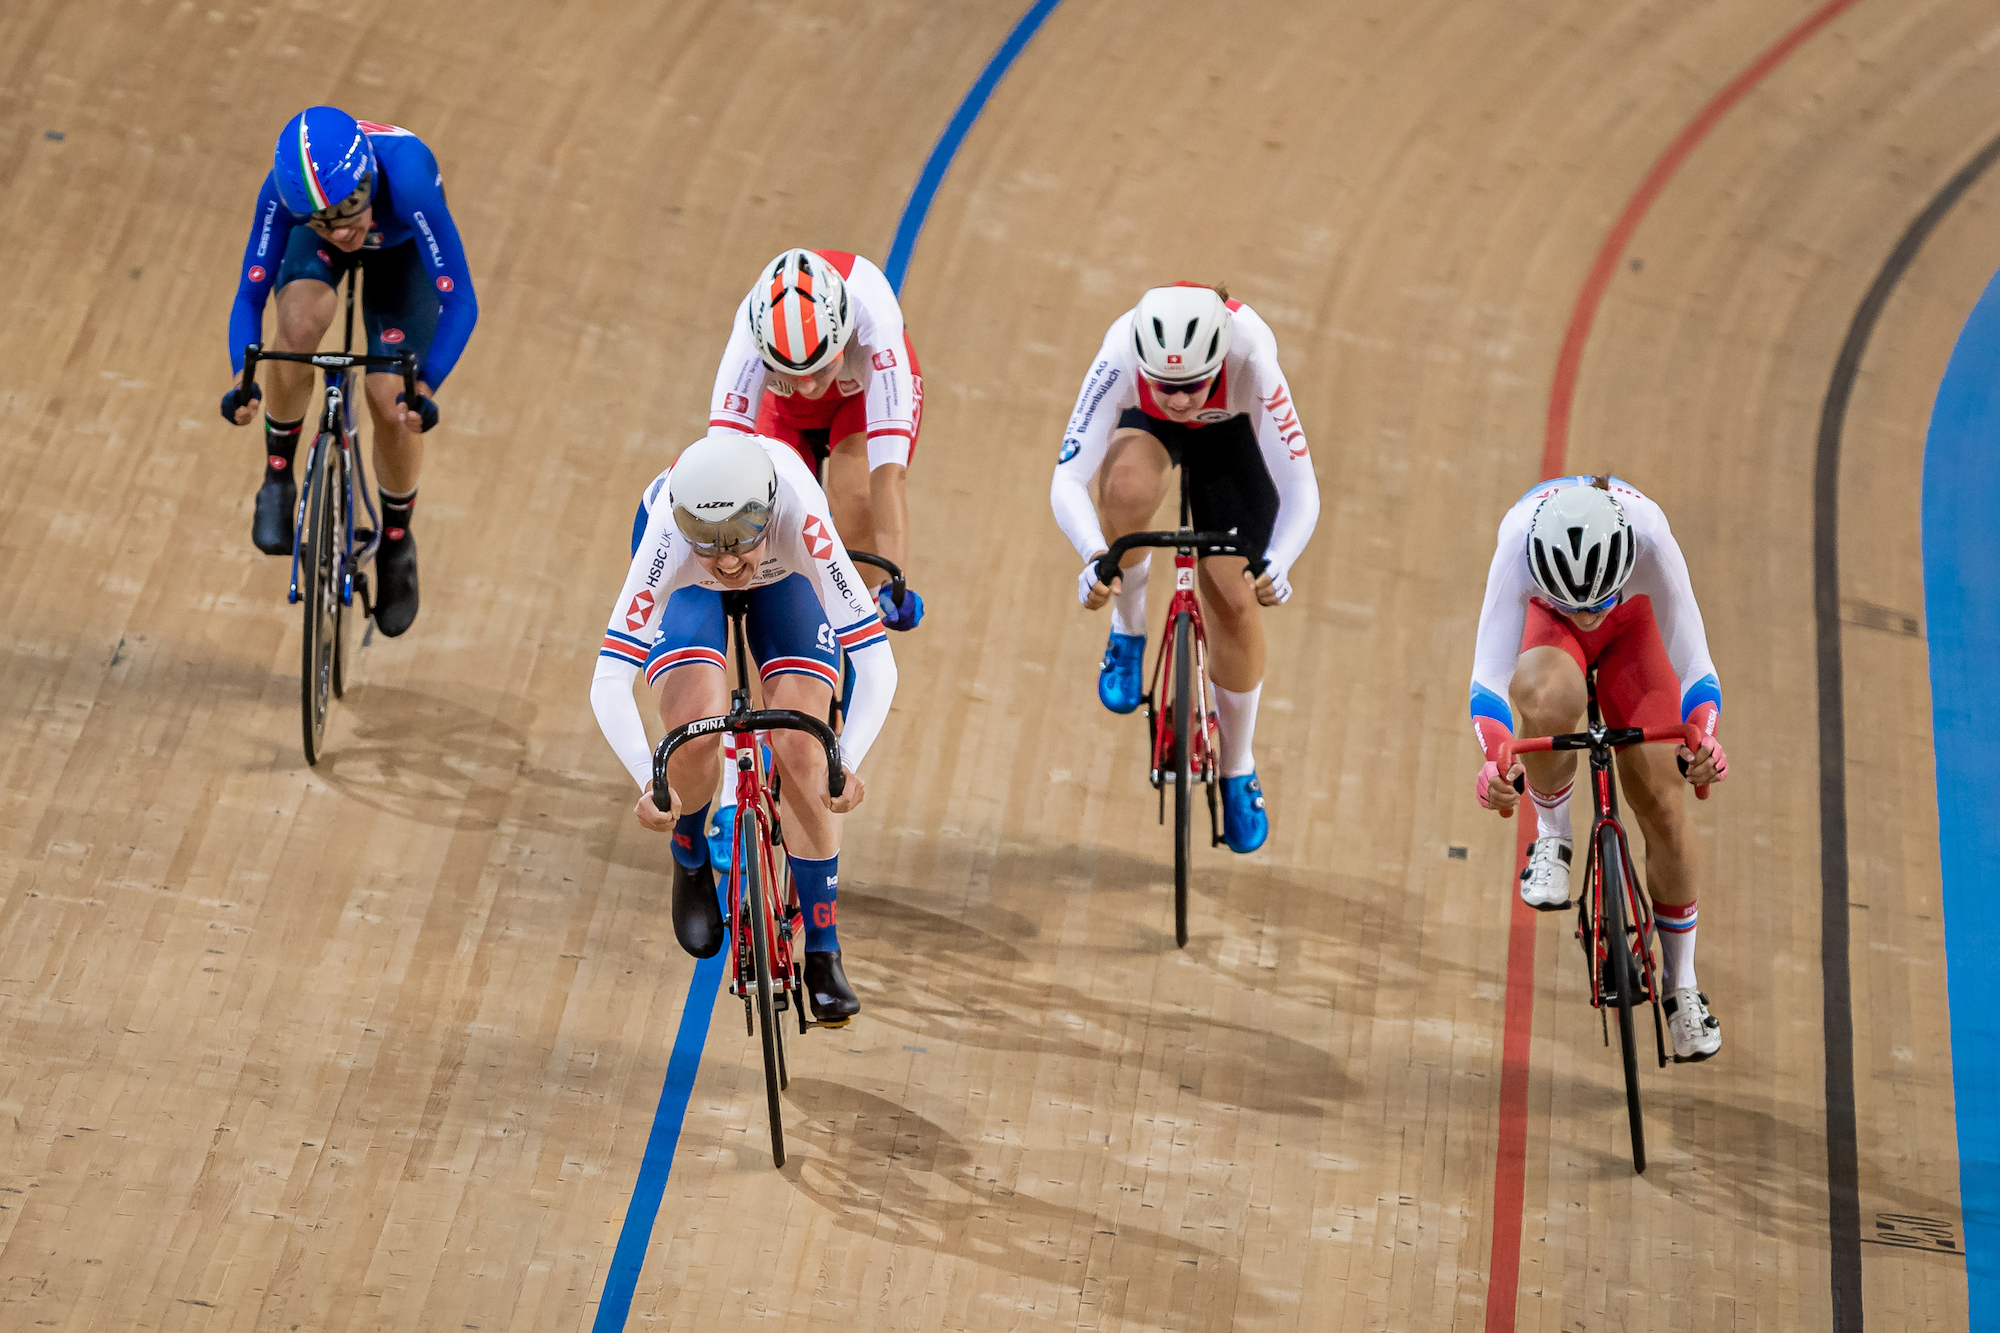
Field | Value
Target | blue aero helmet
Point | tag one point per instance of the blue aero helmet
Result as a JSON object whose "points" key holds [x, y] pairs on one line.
{"points": [[324, 164]]}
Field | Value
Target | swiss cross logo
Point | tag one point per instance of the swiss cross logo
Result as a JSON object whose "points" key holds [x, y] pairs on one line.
{"points": [[819, 543], [641, 608], [1173, 358], [256, 273], [444, 284], [736, 402], [885, 359]]}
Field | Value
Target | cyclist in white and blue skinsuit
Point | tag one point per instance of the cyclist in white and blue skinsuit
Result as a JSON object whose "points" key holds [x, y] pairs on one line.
{"points": [[742, 513]]}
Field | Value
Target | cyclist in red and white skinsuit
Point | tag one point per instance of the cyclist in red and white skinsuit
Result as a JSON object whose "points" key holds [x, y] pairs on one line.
{"points": [[1588, 575], [819, 358], [1189, 377]]}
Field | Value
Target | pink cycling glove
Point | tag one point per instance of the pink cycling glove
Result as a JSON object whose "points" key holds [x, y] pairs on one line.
{"points": [[1705, 717], [1492, 736]]}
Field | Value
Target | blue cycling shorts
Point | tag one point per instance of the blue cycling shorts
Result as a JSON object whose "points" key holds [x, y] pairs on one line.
{"points": [[399, 307], [786, 628]]}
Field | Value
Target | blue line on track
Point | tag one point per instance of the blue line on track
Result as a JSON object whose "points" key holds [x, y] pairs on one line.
{"points": [[946, 149], [651, 1186], [637, 1232], [1962, 607]]}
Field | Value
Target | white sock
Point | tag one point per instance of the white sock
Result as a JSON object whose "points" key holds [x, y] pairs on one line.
{"points": [[1128, 606], [1676, 931], [1552, 812], [1237, 716]]}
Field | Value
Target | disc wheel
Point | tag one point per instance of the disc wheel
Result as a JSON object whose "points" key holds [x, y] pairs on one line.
{"points": [[319, 595], [1621, 980], [760, 951], [1183, 779]]}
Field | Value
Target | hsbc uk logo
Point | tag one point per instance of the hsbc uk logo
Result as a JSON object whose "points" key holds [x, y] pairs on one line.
{"points": [[640, 611], [819, 543]]}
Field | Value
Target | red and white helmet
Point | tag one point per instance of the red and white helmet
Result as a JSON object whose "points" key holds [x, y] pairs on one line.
{"points": [[799, 314]]}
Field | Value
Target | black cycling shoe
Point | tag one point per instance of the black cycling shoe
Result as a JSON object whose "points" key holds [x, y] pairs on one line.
{"points": [[396, 584], [833, 1001], [271, 527], [697, 915]]}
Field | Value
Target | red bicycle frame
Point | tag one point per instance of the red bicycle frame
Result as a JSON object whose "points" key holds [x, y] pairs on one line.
{"points": [[753, 801], [1204, 745]]}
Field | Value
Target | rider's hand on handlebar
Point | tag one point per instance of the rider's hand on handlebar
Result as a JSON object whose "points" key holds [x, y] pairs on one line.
{"points": [[1273, 588], [650, 815], [424, 415], [1496, 793], [906, 616], [1089, 591], [850, 795], [1711, 766], [240, 415]]}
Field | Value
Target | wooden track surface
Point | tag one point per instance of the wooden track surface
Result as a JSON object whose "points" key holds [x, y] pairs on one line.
{"points": [[377, 1045]]}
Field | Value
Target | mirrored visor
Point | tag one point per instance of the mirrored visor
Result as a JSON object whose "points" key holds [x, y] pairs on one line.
{"points": [[734, 535], [350, 207]]}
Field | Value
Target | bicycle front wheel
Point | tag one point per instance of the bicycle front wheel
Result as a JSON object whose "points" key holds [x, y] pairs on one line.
{"points": [[760, 951], [318, 594], [1184, 719], [1621, 980]]}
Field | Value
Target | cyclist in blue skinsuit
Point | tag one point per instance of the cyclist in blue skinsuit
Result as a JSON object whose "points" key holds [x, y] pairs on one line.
{"points": [[343, 193]]}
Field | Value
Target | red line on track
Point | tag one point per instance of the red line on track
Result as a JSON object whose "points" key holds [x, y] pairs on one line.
{"points": [[1511, 1154], [1556, 441]]}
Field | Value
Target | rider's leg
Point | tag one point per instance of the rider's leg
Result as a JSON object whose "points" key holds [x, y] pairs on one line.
{"points": [[400, 308], [1130, 487], [1548, 696], [812, 844], [870, 506], [687, 692], [305, 309], [1653, 792]]}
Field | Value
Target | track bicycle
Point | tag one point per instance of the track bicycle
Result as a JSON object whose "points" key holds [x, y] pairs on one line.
{"points": [[1180, 753], [1614, 920], [329, 553], [765, 969]]}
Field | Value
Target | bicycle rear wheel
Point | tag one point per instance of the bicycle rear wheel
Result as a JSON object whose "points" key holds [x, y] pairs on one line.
{"points": [[760, 952], [1183, 780], [1621, 980], [318, 594]]}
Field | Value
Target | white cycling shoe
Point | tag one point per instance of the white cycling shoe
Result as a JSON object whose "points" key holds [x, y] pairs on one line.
{"points": [[1545, 883], [1696, 1033]]}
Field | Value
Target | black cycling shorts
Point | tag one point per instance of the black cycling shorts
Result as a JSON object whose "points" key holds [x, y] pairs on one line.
{"points": [[399, 307], [1228, 484]]}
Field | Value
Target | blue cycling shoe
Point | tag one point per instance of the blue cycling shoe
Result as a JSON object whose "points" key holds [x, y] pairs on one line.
{"points": [[1244, 823], [1118, 677], [721, 833]]}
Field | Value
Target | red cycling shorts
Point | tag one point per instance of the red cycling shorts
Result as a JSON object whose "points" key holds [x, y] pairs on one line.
{"points": [[814, 426], [1636, 684]]}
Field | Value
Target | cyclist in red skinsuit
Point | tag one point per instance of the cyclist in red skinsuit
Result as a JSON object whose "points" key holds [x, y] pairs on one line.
{"points": [[819, 359]]}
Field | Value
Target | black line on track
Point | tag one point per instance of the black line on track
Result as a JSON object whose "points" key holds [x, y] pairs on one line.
{"points": [[1842, 1156]]}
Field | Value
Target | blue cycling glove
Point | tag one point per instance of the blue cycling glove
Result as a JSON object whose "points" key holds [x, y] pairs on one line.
{"points": [[426, 409], [905, 616], [234, 401]]}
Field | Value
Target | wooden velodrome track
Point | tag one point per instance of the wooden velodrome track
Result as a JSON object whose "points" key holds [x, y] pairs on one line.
{"points": [[378, 1045]]}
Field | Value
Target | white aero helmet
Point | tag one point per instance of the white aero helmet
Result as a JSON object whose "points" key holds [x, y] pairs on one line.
{"points": [[1581, 548], [1180, 333], [722, 489], [799, 315]]}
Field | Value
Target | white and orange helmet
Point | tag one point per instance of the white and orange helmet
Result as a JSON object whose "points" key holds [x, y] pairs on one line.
{"points": [[799, 313]]}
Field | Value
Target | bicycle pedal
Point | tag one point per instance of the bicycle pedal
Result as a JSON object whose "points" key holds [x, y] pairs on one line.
{"points": [[831, 1022]]}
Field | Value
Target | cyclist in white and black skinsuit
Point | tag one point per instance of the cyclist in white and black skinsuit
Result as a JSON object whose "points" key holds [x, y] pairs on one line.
{"points": [[744, 514], [1190, 377]]}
